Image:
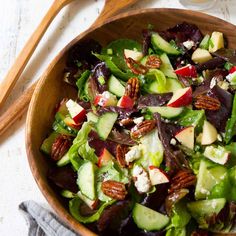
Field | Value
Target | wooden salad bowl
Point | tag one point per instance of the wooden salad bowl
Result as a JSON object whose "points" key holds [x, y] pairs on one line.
{"points": [[51, 88]]}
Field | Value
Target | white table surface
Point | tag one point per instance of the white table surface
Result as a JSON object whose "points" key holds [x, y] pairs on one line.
{"points": [[18, 19]]}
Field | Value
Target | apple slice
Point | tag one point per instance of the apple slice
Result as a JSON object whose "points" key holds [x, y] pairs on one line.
{"points": [[77, 112], [157, 176], [135, 55], [232, 70], [216, 41], [92, 204], [104, 158], [181, 97], [125, 102], [217, 154], [186, 137], [209, 133], [187, 71], [201, 55], [70, 122], [105, 99]]}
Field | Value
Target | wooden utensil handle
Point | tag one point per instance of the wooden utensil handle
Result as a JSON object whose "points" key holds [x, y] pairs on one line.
{"points": [[18, 108], [24, 56]]}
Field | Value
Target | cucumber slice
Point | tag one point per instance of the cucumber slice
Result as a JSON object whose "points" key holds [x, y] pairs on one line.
{"points": [[105, 124], [148, 219], [166, 66], [213, 173], [170, 87], [64, 160], [85, 180], [115, 86], [167, 112], [159, 43], [206, 207], [46, 146], [92, 117], [205, 42]]}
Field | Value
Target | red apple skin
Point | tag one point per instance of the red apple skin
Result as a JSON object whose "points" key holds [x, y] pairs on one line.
{"points": [[232, 70], [125, 102], [79, 118], [162, 172], [184, 100], [70, 122], [104, 158], [187, 71], [97, 99]]}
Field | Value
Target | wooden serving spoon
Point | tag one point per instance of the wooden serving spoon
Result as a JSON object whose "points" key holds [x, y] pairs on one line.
{"points": [[19, 107]]}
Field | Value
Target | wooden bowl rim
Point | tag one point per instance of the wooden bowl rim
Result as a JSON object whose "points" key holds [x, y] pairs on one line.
{"points": [[61, 212]]}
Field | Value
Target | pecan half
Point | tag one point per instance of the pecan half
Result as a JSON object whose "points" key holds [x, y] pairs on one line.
{"points": [[114, 189], [60, 146], [126, 122], [143, 128], [132, 88], [121, 150], [207, 103], [136, 67], [153, 62], [183, 179]]}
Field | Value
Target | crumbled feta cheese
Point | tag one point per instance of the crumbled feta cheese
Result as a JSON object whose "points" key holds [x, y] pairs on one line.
{"points": [[189, 44], [133, 154], [107, 96], [173, 141], [142, 182], [213, 82], [138, 120], [219, 138]]}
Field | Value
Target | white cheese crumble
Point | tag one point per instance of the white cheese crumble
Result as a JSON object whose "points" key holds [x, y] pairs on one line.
{"points": [[138, 120], [142, 182], [105, 97], [189, 44], [173, 141], [213, 82], [133, 154]]}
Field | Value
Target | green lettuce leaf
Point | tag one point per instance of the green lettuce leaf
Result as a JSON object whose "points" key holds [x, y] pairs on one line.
{"points": [[81, 82], [230, 129], [74, 207], [152, 150], [80, 150]]}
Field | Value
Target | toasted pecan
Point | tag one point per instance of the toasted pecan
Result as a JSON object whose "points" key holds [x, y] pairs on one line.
{"points": [[183, 179], [153, 62], [60, 146], [126, 122], [121, 150], [143, 128], [207, 103], [132, 88], [136, 67], [114, 189]]}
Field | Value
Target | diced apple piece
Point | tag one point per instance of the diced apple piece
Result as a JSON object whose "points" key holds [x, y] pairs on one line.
{"points": [[187, 71], [216, 41], [105, 99], [104, 158], [201, 55], [181, 97], [186, 137], [157, 176], [135, 55], [217, 154], [92, 204], [209, 133], [70, 122], [125, 102], [77, 112]]}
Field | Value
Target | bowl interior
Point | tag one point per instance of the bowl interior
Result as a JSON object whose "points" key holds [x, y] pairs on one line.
{"points": [[51, 89]]}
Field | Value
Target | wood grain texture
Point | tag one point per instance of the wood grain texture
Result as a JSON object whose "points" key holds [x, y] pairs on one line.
{"points": [[17, 68], [40, 117], [111, 8]]}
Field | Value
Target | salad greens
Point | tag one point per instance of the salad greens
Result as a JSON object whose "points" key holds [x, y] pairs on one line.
{"points": [[148, 147]]}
